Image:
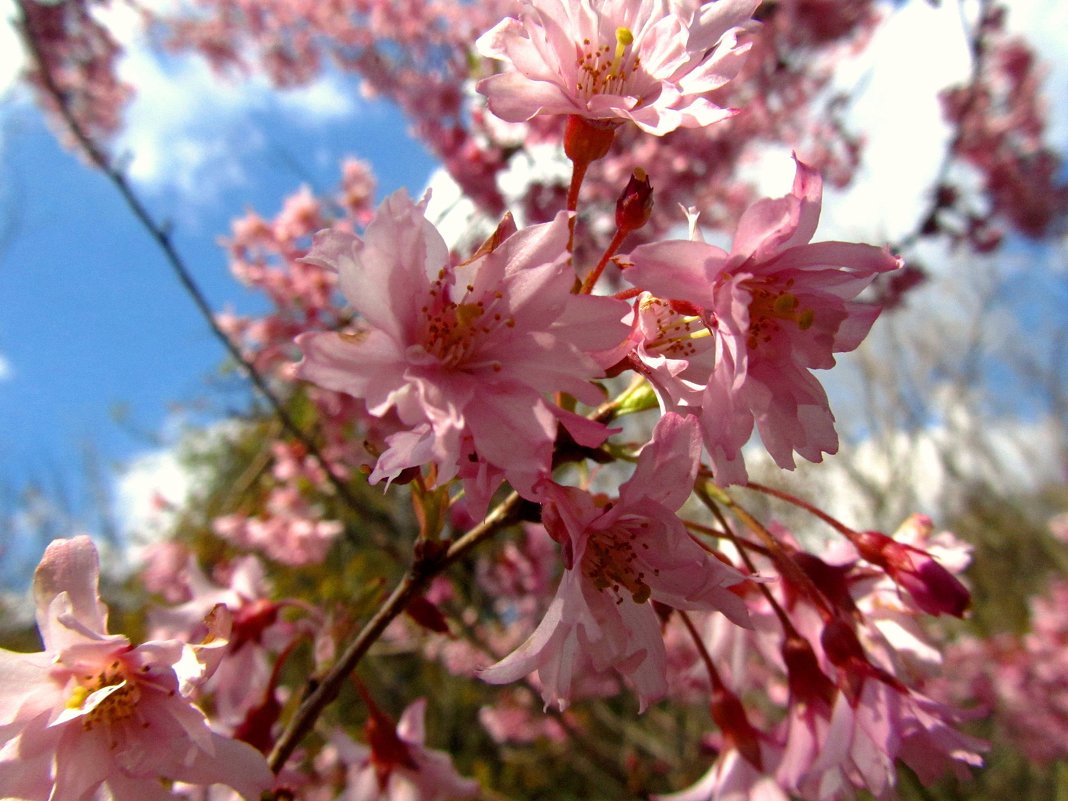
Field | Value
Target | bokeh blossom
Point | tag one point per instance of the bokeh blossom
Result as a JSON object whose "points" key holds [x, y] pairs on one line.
{"points": [[465, 354], [93, 710], [649, 62], [734, 336], [398, 766]]}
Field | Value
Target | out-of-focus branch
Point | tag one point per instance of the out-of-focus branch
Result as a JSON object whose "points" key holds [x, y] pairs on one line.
{"points": [[161, 236], [977, 49]]}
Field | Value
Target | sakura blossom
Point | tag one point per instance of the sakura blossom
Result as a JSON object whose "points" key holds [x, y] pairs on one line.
{"points": [[619, 556], [398, 766], [465, 354], [649, 62], [731, 778], [257, 633], [770, 311], [93, 711]]}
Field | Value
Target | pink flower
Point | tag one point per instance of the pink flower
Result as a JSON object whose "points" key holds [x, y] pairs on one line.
{"points": [[646, 61], [739, 333], [256, 631], [93, 710], [619, 556], [465, 354], [398, 766], [732, 778]]}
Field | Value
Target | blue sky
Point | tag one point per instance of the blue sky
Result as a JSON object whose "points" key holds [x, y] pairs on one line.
{"points": [[92, 320]]}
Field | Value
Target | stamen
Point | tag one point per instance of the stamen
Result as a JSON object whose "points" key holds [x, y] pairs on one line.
{"points": [[624, 39]]}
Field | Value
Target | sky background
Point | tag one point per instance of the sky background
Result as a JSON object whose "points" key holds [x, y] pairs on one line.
{"points": [[102, 354]]}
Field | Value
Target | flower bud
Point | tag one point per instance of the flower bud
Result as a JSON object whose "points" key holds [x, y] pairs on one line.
{"points": [[729, 714], [635, 205], [933, 588], [808, 683]]}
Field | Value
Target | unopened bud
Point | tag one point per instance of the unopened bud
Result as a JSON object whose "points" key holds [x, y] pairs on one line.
{"points": [[635, 205], [808, 683], [729, 714], [933, 588]]}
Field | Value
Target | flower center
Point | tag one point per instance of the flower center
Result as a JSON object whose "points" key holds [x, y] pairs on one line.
{"points": [[120, 704], [770, 307], [613, 562], [602, 71], [454, 331], [676, 334]]}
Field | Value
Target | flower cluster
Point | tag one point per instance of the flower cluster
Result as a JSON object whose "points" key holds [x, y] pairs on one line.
{"points": [[581, 372]]}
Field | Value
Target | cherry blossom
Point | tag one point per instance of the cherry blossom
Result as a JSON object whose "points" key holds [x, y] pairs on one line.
{"points": [[619, 556], [93, 710], [732, 778], [645, 61], [398, 766], [775, 308], [465, 354]]}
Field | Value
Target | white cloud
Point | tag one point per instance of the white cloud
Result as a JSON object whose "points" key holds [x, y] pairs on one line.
{"points": [[919, 51], [916, 53], [147, 492], [6, 371], [187, 127], [12, 58]]}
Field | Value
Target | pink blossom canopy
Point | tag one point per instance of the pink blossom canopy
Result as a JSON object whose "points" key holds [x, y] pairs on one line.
{"points": [[646, 61]]}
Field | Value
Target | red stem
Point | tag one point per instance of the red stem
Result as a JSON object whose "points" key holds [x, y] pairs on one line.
{"points": [[613, 246]]}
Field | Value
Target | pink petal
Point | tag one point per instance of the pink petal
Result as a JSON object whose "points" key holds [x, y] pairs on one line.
{"points": [[71, 567]]}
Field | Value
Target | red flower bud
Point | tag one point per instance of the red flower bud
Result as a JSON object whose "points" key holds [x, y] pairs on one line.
{"points": [[934, 589], [729, 714], [808, 683], [426, 615], [635, 205]]}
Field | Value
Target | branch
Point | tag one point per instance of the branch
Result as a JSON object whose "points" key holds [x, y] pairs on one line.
{"points": [[428, 563]]}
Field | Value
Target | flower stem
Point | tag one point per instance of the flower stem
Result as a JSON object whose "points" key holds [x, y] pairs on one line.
{"points": [[838, 526], [595, 273]]}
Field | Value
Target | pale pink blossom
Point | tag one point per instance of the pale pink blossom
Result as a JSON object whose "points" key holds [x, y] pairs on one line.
{"points": [[775, 308], [864, 736], [256, 631], [1020, 681], [732, 778], [92, 710], [464, 354], [292, 531], [620, 556], [398, 766], [649, 62]]}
